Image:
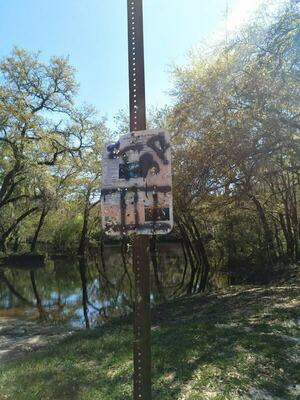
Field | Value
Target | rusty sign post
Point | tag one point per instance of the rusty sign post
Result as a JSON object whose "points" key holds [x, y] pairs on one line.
{"points": [[141, 260], [137, 195]]}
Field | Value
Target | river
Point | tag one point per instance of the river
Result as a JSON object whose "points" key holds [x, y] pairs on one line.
{"points": [[72, 290]]}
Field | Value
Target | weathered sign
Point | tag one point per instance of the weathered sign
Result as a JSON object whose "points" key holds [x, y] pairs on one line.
{"points": [[137, 184]]}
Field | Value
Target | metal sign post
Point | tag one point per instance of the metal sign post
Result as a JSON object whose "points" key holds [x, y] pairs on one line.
{"points": [[136, 195], [141, 261]]}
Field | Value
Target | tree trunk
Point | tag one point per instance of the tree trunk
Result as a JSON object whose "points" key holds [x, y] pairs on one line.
{"points": [[6, 234], [204, 259], [184, 270], [38, 229], [268, 235], [288, 239], [123, 254], [153, 253], [39, 304], [84, 232], [187, 243], [32, 273], [13, 289], [85, 300]]}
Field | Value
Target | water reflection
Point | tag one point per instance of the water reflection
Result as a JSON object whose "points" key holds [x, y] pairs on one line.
{"points": [[85, 292]]}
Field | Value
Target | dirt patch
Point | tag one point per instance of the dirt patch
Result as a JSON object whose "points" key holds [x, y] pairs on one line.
{"points": [[20, 334]]}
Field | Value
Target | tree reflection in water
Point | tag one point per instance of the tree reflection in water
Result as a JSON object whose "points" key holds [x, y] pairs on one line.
{"points": [[85, 291]]}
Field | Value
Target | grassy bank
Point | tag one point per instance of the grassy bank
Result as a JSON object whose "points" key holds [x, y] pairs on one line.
{"points": [[239, 344]]}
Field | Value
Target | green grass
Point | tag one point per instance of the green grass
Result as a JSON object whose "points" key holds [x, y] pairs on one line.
{"points": [[226, 346]]}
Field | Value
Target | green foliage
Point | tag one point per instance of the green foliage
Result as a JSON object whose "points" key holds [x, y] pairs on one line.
{"points": [[236, 132], [66, 235], [50, 149]]}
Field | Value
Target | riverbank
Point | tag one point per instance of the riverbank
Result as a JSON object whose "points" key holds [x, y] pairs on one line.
{"points": [[242, 343], [21, 335]]}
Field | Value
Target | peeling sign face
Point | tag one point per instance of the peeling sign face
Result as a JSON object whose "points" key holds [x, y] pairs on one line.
{"points": [[137, 185]]}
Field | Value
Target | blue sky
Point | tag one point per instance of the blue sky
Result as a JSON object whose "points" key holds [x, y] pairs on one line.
{"points": [[93, 33]]}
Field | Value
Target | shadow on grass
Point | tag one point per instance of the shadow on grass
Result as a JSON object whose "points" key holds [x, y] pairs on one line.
{"points": [[218, 347]]}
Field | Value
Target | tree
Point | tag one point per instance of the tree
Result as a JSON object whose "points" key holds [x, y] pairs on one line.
{"points": [[235, 129], [41, 132]]}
